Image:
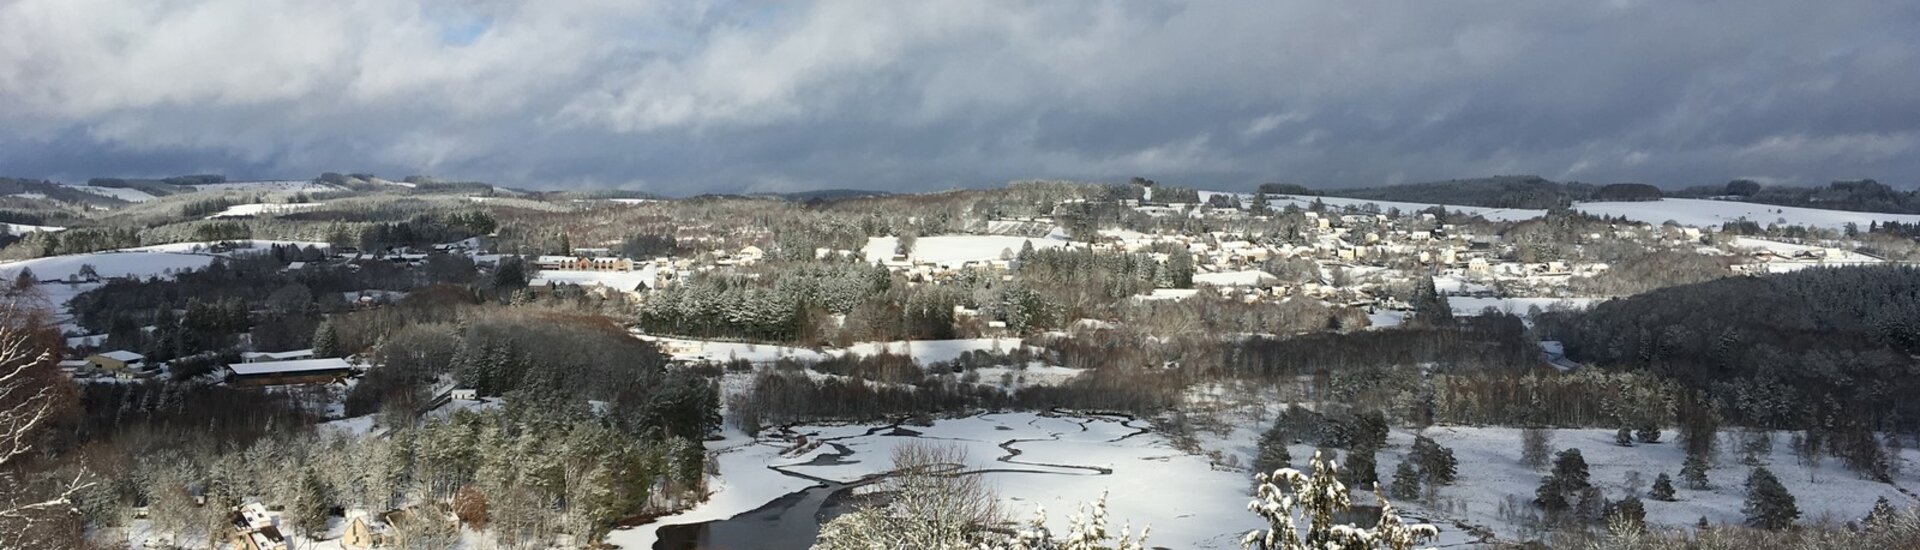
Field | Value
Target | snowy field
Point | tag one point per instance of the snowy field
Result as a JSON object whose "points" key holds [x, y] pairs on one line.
{"points": [[1063, 462], [140, 264], [18, 228], [257, 209], [923, 351], [129, 195], [617, 280], [1251, 277], [1495, 214], [1701, 212], [954, 250], [1467, 305], [1491, 475]]}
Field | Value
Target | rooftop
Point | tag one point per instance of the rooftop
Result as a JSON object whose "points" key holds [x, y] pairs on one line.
{"points": [[277, 367]]}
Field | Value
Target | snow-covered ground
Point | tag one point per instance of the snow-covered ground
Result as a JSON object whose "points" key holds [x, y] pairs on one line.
{"points": [[1467, 305], [125, 194], [1491, 474], [954, 250], [616, 280], [1702, 212], [1059, 466], [257, 209], [1495, 214], [140, 264], [923, 351], [269, 185], [244, 247], [1251, 277], [18, 228]]}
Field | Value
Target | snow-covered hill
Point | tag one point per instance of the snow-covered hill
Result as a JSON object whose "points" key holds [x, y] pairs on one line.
{"points": [[1700, 212]]}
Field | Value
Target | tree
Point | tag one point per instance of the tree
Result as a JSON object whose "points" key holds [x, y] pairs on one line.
{"points": [[1568, 480], [1535, 446], [1648, 433], [32, 397], [1360, 467], [1430, 307], [1406, 481], [1180, 268], [311, 504], [1694, 472], [1662, 488], [1768, 504], [1881, 517], [1287, 494], [470, 505], [1436, 462], [1624, 437], [1272, 450], [326, 340], [1260, 206], [1628, 512]]}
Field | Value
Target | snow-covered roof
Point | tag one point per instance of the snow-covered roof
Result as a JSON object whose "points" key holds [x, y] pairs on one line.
{"points": [[277, 367], [123, 356], [276, 355]]}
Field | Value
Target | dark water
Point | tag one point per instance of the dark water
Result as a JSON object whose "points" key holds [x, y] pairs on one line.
{"points": [[788, 523]]}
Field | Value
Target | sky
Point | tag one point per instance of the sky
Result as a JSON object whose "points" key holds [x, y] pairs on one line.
{"points": [[687, 97]]}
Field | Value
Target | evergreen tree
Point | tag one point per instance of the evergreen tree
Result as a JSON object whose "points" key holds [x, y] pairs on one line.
{"points": [[1881, 517], [1360, 468], [1535, 447], [1273, 453], [1436, 462], [1648, 433], [1768, 505], [1430, 307], [1406, 481], [1694, 472], [1662, 488], [310, 504], [326, 340], [1260, 206], [1624, 437], [1180, 268], [1629, 512]]}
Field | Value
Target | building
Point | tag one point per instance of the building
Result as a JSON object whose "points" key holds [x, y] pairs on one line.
{"points": [[364, 530], [274, 373], [255, 529], [267, 356], [119, 360]]}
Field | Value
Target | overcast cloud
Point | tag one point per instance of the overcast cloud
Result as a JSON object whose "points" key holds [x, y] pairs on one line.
{"points": [[690, 97]]}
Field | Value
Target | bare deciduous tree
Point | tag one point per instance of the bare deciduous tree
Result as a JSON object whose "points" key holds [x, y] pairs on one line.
{"points": [[29, 400]]}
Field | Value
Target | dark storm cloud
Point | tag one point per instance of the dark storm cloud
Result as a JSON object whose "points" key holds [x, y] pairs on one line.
{"points": [[725, 96]]}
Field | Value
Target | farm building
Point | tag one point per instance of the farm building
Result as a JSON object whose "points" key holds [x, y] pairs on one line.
{"points": [[273, 373]]}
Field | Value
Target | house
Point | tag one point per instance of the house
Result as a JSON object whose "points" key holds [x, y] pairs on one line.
{"points": [[464, 394], [273, 373], [255, 529], [364, 530]]}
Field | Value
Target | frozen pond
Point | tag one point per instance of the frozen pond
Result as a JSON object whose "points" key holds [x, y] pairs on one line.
{"points": [[1057, 461]]}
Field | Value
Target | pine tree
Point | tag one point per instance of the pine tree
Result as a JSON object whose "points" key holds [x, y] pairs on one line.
{"points": [[1881, 518], [1535, 446], [310, 504], [1624, 437], [1694, 472], [1360, 468], [1273, 453], [1768, 505], [1629, 512], [1648, 433], [326, 340], [1260, 206], [1406, 482], [1662, 488], [1436, 462]]}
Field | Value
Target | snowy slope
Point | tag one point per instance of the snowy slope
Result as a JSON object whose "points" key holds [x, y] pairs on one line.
{"points": [[953, 250], [1495, 214], [129, 195], [1251, 277], [256, 209], [108, 264], [19, 228], [1699, 212]]}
